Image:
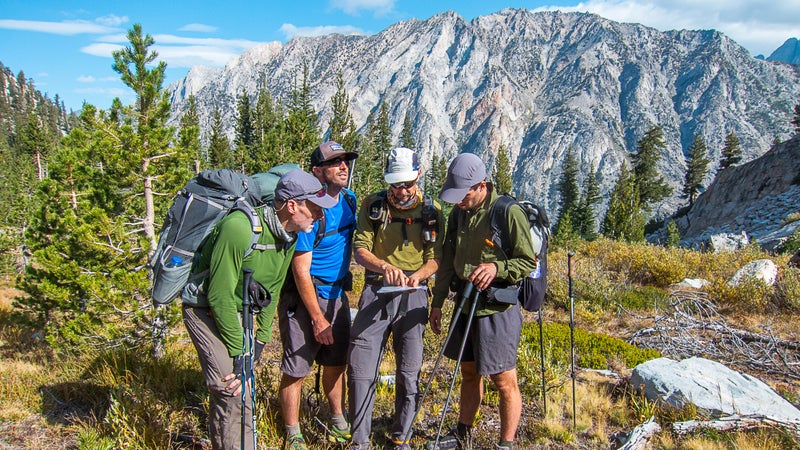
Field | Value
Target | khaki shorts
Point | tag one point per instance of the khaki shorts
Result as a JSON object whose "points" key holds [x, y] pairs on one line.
{"points": [[300, 349]]}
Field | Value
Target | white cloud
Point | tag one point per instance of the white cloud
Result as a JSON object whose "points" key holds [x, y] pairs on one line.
{"points": [[111, 20], [116, 92], [353, 7], [101, 49], [86, 79], [760, 27], [198, 27], [67, 28], [291, 31]]}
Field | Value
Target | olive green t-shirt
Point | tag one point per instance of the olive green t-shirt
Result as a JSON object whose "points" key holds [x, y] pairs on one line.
{"points": [[385, 240]]}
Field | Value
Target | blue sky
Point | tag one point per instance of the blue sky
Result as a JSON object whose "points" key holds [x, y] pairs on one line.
{"points": [[65, 46]]}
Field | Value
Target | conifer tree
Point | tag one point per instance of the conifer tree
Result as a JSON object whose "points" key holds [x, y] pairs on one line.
{"points": [[568, 188], [244, 137], [270, 130], [94, 229], [584, 214], [189, 135], [651, 185], [673, 234], [696, 168], [302, 129], [624, 218], [501, 173], [796, 119], [342, 126], [368, 172], [731, 152], [406, 137], [434, 178], [219, 148]]}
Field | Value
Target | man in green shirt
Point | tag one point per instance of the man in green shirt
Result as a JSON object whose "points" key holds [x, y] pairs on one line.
{"points": [[396, 242], [213, 322], [468, 257]]}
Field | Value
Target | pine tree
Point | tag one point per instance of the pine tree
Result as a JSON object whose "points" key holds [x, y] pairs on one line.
{"points": [[501, 173], [219, 148], [568, 188], [696, 168], [368, 172], [796, 119], [270, 129], [651, 185], [731, 152], [302, 129], [584, 215], [94, 229], [434, 178], [244, 137], [189, 135], [342, 126], [673, 234], [406, 137], [624, 218]]}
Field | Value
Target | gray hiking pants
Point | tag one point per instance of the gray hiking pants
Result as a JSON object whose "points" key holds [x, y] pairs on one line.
{"points": [[404, 316], [224, 408]]}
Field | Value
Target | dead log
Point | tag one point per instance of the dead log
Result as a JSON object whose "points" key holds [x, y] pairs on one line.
{"points": [[736, 423], [640, 437]]}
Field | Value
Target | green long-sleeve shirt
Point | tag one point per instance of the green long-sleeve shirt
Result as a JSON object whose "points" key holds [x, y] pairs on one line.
{"points": [[465, 248], [223, 256]]}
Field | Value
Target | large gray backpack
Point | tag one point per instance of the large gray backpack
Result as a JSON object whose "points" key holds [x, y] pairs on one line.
{"points": [[204, 201]]}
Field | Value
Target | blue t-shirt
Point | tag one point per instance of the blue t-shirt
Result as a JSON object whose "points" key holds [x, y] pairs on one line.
{"points": [[330, 260]]}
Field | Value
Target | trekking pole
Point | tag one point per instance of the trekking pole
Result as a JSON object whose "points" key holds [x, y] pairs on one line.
{"points": [[541, 357], [570, 273], [474, 299], [467, 292], [248, 352]]}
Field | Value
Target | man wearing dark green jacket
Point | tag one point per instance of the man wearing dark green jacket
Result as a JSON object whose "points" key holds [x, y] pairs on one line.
{"points": [[494, 334], [214, 322]]}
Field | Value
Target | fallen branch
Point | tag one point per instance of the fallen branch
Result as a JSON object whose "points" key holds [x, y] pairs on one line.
{"points": [[736, 422], [640, 437]]}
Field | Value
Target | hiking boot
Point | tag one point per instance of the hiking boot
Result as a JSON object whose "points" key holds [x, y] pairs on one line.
{"points": [[366, 446], [296, 442], [506, 445], [452, 440], [338, 436]]}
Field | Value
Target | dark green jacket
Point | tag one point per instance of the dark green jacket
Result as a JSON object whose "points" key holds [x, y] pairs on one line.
{"points": [[465, 248]]}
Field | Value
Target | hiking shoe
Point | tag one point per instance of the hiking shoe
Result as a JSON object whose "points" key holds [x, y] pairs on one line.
{"points": [[338, 436], [297, 442], [366, 446], [449, 441], [401, 445], [506, 445]]}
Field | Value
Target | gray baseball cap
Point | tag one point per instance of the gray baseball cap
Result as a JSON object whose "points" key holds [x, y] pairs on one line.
{"points": [[299, 185], [465, 171]]}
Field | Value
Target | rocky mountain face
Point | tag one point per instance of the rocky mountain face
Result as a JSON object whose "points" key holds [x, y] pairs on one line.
{"points": [[789, 52], [538, 83], [755, 198]]}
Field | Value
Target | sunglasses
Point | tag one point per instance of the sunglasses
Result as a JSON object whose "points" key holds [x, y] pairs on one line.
{"points": [[403, 184], [334, 162]]}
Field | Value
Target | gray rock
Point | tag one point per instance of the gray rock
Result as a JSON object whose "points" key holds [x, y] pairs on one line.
{"points": [[711, 387], [690, 283], [761, 269], [726, 242]]}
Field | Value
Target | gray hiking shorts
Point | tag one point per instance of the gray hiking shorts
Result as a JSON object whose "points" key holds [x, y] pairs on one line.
{"points": [[492, 341], [300, 349]]}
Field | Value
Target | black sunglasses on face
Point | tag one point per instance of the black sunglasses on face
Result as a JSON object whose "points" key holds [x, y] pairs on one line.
{"points": [[403, 184], [335, 162]]}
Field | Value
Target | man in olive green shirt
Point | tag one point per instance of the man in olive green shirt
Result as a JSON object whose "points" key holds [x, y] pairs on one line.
{"points": [[213, 321], [494, 334], [396, 242]]}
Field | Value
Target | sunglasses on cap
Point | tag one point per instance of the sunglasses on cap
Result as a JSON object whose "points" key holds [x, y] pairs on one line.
{"points": [[404, 184], [320, 193]]}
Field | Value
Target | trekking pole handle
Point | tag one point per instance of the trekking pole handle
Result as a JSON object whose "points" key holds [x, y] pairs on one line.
{"points": [[570, 265], [247, 317]]}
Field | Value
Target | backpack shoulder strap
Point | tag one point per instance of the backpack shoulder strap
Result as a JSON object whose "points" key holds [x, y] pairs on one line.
{"points": [[498, 222], [256, 226]]}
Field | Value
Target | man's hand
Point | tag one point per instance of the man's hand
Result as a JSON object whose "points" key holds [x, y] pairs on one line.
{"points": [[483, 275], [435, 319], [323, 332], [394, 276], [234, 379]]}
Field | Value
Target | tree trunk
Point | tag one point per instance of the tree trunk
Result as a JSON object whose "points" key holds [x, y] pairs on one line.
{"points": [[149, 209]]}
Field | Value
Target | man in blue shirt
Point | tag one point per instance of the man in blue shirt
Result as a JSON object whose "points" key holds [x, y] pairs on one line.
{"points": [[313, 311]]}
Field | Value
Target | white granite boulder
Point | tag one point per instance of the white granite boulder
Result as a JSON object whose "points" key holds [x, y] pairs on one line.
{"points": [[760, 269], [711, 387]]}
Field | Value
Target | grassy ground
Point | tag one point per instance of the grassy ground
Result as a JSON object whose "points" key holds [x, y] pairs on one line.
{"points": [[128, 399]]}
